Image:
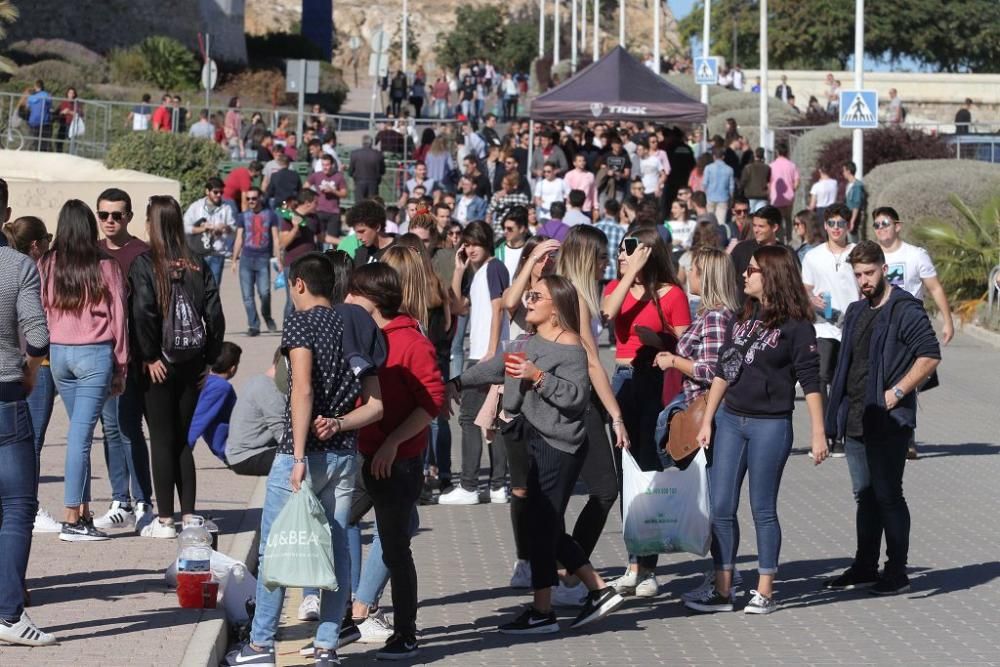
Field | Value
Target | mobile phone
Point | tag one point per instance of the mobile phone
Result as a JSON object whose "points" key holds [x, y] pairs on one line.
{"points": [[462, 255], [630, 244]]}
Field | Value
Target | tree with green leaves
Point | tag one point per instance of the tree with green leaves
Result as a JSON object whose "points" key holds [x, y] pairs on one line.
{"points": [[489, 33], [953, 36], [8, 14]]}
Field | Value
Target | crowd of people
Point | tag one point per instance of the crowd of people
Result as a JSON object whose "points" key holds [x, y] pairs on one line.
{"points": [[491, 283]]}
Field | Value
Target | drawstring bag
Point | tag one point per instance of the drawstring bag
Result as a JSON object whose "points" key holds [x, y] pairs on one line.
{"points": [[299, 548], [183, 336]]}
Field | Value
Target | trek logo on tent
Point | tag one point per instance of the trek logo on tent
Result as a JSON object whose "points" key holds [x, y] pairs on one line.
{"points": [[596, 108]]}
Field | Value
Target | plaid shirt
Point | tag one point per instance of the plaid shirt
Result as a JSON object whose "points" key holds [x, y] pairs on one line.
{"points": [[500, 204], [615, 234], [701, 343]]}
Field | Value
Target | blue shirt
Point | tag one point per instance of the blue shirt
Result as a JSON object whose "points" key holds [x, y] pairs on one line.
{"points": [[39, 108], [257, 239], [719, 182]]}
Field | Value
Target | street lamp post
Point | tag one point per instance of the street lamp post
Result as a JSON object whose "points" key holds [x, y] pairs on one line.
{"points": [[705, 35], [406, 27], [572, 37], [858, 143], [763, 70], [621, 23], [583, 26], [555, 35], [656, 35], [597, 29], [541, 28]]}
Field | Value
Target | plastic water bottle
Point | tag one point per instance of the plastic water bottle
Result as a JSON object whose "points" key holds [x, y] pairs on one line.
{"points": [[827, 306], [194, 562]]}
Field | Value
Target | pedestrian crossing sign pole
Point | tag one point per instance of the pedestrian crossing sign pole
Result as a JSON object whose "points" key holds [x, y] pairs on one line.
{"points": [[706, 71], [859, 109]]}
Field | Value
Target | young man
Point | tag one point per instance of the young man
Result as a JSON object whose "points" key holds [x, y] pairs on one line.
{"points": [[554, 227], [257, 423], [515, 235], [615, 231], [548, 190], [889, 350], [578, 178], [574, 213], [208, 223], [367, 218], [649, 168], [319, 444], [827, 281], [331, 187], [823, 193], [719, 185], [299, 235], [855, 199], [238, 183], [469, 207], [256, 242], [508, 197], [765, 226], [754, 180], [617, 171], [284, 183], [482, 300], [911, 269], [782, 186], [124, 442]]}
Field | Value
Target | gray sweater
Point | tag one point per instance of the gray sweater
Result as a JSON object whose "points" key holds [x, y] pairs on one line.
{"points": [[21, 319], [258, 420], [556, 409]]}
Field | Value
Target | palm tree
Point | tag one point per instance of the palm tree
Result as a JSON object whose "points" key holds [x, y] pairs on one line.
{"points": [[8, 14]]}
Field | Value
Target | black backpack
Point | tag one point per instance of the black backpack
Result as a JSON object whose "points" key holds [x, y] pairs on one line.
{"points": [[183, 327]]}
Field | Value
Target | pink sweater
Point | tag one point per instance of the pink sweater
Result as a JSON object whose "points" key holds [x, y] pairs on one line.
{"points": [[581, 180], [96, 323]]}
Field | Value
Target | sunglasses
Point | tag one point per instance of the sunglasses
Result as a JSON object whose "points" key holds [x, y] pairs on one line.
{"points": [[216, 192], [510, 229], [882, 223], [117, 216], [252, 198], [532, 297], [752, 270], [629, 245], [836, 223], [740, 211]]}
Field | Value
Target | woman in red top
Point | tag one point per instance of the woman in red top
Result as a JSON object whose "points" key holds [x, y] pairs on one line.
{"points": [[650, 312], [412, 394], [69, 110]]}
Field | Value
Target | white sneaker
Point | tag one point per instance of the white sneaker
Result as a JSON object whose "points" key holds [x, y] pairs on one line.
{"points": [[707, 585], [499, 496], [648, 586], [569, 596], [25, 632], [119, 515], [625, 584], [459, 496], [521, 578], [44, 523], [375, 629], [159, 530], [144, 515], [309, 609]]}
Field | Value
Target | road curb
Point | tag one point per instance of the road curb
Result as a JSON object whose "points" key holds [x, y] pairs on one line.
{"points": [[982, 334], [209, 641]]}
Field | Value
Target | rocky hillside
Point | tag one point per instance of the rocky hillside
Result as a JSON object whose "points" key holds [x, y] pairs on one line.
{"points": [[429, 18]]}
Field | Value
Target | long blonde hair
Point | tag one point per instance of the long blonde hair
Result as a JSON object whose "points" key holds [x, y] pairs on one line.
{"points": [[718, 279], [421, 287], [578, 262]]}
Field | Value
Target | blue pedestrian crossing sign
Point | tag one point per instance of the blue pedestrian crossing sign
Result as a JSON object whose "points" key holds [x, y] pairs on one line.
{"points": [[706, 71], [859, 109]]}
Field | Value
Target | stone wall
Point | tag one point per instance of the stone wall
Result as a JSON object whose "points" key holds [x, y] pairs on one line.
{"points": [[103, 25]]}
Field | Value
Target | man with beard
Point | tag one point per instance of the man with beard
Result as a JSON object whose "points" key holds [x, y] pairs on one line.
{"points": [[889, 350]]}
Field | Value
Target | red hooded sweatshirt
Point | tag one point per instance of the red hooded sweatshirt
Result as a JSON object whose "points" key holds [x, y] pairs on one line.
{"points": [[409, 379]]}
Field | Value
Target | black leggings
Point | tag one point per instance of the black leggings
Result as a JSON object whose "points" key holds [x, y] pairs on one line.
{"points": [[601, 478], [169, 408]]}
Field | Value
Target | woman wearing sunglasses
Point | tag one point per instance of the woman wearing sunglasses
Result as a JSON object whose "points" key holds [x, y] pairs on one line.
{"points": [[650, 311], [769, 347], [547, 390]]}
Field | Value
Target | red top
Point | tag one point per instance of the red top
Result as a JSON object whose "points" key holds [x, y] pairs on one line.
{"points": [[634, 313], [237, 182], [162, 119], [409, 379]]}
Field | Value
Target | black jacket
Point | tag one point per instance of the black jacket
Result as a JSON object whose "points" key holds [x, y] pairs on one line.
{"points": [[367, 165], [146, 318]]}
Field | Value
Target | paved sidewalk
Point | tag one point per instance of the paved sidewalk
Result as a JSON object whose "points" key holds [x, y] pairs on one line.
{"points": [[107, 601]]}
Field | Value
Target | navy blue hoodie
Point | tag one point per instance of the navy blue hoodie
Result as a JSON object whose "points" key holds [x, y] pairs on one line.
{"points": [[901, 333]]}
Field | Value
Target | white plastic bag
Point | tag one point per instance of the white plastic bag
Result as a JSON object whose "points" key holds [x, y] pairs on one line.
{"points": [[236, 584], [666, 512], [77, 128]]}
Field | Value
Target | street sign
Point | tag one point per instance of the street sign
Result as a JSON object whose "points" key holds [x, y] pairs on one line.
{"points": [[859, 109], [354, 43], [706, 71], [209, 75], [294, 82], [378, 64], [380, 42]]}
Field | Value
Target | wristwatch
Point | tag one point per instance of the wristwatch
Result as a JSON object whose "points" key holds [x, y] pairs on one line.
{"points": [[899, 393]]}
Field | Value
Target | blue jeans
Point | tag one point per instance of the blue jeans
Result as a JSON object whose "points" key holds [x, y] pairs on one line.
{"points": [[40, 402], [439, 451], [83, 377], [215, 265], [255, 270], [760, 446], [125, 449], [440, 108], [458, 347], [289, 306], [18, 504], [368, 581], [331, 475]]}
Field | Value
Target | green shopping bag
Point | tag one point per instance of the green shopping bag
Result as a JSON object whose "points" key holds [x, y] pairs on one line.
{"points": [[299, 549]]}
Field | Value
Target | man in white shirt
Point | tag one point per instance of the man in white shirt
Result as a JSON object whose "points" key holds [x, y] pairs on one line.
{"points": [[649, 168], [823, 193], [208, 224], [829, 279], [548, 190], [420, 178], [470, 206]]}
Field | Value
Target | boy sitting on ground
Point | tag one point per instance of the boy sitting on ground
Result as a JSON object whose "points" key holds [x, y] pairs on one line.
{"points": [[216, 401]]}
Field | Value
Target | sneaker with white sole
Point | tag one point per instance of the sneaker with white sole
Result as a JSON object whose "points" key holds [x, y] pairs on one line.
{"points": [[159, 530], [25, 633], [376, 629], [398, 647], [144, 515], [309, 608], [531, 622], [760, 604], [569, 596], [499, 496], [81, 531], [521, 577], [598, 604], [246, 655], [648, 586], [459, 496], [44, 523], [710, 602], [707, 585], [119, 515], [625, 584]]}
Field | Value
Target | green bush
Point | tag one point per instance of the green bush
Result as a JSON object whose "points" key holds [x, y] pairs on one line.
{"points": [[58, 49], [168, 63], [805, 152], [685, 83], [186, 159], [57, 75], [748, 120], [128, 66]]}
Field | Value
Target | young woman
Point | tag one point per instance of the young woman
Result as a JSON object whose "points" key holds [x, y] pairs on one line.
{"points": [[172, 386], [83, 292], [711, 278], [705, 235], [770, 346], [650, 311], [548, 388], [809, 228]]}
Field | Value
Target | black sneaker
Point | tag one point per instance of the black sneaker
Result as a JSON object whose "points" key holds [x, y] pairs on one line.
{"points": [[837, 449], [597, 605], [252, 333], [850, 580], [892, 585], [81, 531], [272, 326], [398, 647], [711, 601], [531, 622], [349, 633], [246, 655], [324, 657]]}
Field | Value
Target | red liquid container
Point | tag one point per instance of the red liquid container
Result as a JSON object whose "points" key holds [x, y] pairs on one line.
{"points": [[190, 592], [194, 563], [511, 356]]}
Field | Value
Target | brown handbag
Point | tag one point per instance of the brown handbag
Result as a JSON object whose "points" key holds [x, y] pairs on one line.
{"points": [[682, 438]]}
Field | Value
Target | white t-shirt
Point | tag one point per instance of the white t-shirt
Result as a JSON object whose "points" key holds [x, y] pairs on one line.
{"points": [[550, 192], [511, 257], [462, 210], [830, 272], [488, 284], [681, 231], [825, 191], [908, 267], [649, 170]]}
